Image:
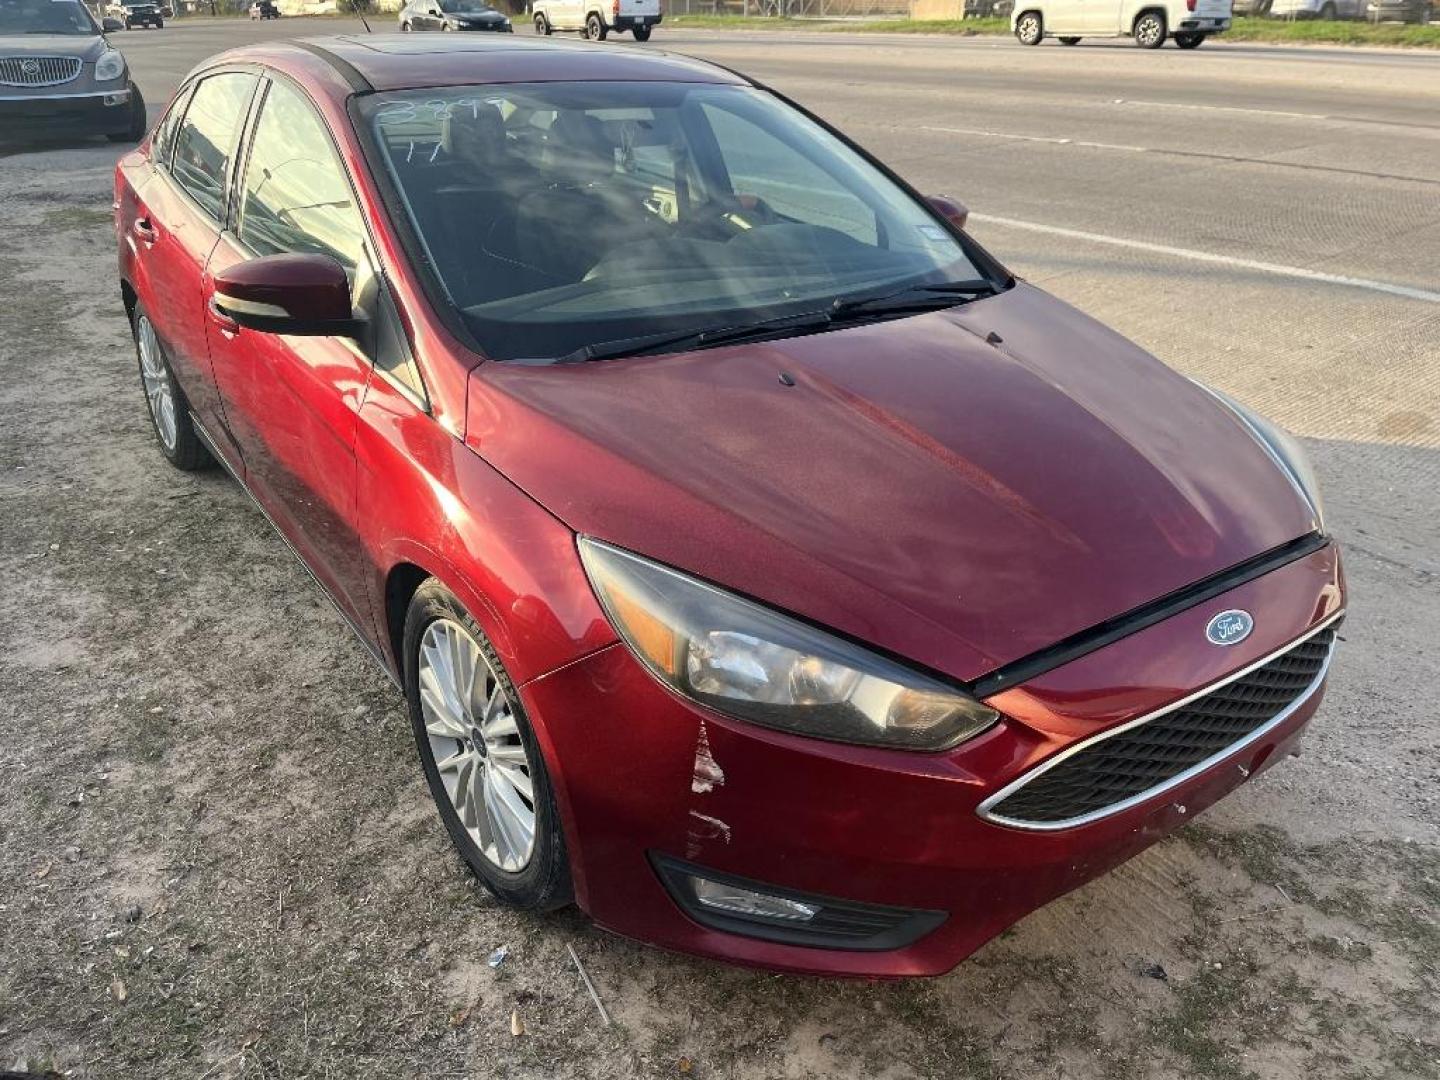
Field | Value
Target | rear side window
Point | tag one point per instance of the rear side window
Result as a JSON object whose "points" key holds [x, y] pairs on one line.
{"points": [[205, 141], [297, 198]]}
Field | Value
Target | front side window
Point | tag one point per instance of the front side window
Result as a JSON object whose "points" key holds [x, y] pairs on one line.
{"points": [[205, 141], [45, 17], [563, 215], [163, 139], [296, 196]]}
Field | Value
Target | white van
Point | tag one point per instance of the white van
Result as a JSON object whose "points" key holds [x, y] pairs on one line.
{"points": [[1149, 22], [596, 18]]}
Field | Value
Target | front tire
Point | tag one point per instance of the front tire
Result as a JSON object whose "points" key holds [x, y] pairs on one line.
{"points": [[1189, 41], [482, 763], [169, 409], [595, 28], [406, 28], [1029, 29], [1069, 41], [1150, 30], [542, 25], [642, 33]]}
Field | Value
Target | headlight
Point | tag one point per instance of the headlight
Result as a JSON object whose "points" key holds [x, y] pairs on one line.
{"points": [[111, 65], [1282, 447], [747, 661]]}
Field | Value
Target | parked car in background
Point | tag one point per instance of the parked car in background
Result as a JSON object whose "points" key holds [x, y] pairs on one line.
{"points": [[59, 76], [135, 13], [597, 18], [1316, 9], [1187, 22], [1408, 11], [264, 9], [452, 15], [765, 567]]}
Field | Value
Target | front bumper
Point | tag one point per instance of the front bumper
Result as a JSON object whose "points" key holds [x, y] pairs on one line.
{"points": [[90, 112], [642, 776]]}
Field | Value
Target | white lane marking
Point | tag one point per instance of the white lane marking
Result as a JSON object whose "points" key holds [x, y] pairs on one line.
{"points": [[1223, 108], [1209, 257], [1037, 138], [1233, 159], [1333, 118]]}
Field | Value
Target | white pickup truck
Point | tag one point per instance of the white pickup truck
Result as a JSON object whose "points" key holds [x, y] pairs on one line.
{"points": [[1149, 22], [596, 18]]}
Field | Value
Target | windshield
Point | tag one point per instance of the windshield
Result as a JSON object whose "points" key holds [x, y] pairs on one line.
{"points": [[44, 17], [464, 7], [562, 215]]}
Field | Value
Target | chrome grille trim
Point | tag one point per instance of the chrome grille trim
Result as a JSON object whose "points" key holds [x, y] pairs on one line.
{"points": [[38, 70], [984, 810]]}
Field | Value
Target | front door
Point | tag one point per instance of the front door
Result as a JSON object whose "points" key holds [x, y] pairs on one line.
{"points": [[293, 401]]}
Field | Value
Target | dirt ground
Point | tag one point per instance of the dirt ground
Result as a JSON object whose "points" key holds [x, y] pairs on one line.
{"points": [[219, 858]]}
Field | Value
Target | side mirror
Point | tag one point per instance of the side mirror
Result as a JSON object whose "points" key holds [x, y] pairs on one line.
{"points": [[952, 211], [111, 25], [298, 295]]}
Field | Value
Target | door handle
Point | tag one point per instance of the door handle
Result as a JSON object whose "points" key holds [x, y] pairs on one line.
{"points": [[144, 230], [228, 326]]}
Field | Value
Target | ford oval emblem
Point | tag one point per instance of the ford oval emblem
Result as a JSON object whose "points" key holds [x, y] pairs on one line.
{"points": [[1229, 627]]}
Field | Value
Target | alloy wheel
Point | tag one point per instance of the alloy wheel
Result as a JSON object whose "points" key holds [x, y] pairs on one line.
{"points": [[1028, 29], [156, 377], [1149, 31], [475, 742]]}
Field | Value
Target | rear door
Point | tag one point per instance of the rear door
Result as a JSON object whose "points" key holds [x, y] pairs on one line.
{"points": [[176, 223], [1065, 16], [1101, 18], [293, 402]]}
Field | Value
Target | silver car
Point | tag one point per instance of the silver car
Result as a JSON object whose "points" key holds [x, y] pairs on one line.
{"points": [[59, 76]]}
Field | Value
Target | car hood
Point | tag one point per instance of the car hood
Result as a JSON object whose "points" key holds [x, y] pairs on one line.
{"points": [[86, 48], [957, 501]]}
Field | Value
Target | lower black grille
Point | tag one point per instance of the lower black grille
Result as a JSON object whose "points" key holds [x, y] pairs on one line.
{"points": [[1115, 769]]}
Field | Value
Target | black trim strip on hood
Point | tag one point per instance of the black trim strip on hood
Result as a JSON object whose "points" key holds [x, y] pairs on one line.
{"points": [[1112, 630]]}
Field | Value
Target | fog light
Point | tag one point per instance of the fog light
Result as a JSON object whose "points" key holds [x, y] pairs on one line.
{"points": [[120, 97], [755, 909], [719, 896]]}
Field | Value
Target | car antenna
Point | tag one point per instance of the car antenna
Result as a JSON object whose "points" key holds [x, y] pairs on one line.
{"points": [[361, 12]]}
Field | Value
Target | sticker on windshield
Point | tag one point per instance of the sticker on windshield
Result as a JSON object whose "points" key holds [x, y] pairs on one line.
{"points": [[933, 233]]}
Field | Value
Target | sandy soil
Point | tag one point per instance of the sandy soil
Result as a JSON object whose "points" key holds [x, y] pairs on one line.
{"points": [[220, 859]]}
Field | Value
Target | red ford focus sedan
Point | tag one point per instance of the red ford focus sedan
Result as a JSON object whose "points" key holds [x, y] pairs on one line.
{"points": [[766, 569]]}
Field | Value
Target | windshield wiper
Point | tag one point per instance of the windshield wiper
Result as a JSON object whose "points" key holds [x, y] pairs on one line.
{"points": [[913, 298], [669, 341]]}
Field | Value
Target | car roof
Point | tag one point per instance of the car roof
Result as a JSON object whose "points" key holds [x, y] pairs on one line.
{"points": [[392, 61]]}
